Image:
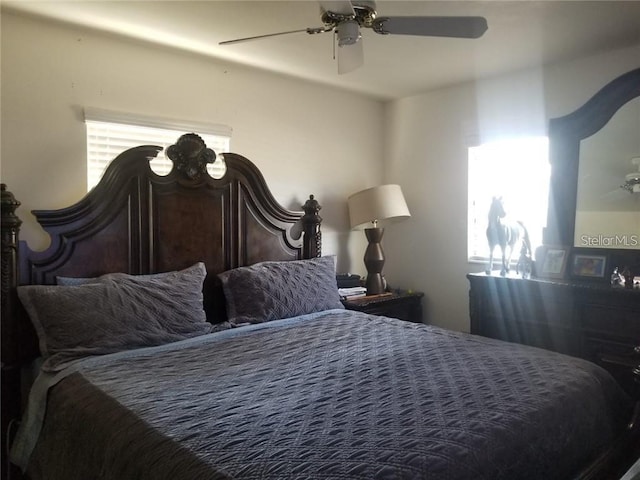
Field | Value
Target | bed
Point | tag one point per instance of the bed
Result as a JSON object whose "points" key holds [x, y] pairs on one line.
{"points": [[189, 327]]}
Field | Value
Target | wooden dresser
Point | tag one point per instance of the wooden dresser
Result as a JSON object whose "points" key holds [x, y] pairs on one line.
{"points": [[592, 321]]}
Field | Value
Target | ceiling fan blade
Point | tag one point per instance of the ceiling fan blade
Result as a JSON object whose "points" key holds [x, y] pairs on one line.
{"points": [[258, 37], [460, 27], [350, 57], [616, 196], [342, 7]]}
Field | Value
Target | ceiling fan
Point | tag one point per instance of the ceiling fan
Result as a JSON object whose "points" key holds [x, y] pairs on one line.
{"points": [[346, 18]]}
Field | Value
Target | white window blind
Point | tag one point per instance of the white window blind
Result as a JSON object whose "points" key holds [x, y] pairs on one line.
{"points": [[519, 171], [108, 135]]}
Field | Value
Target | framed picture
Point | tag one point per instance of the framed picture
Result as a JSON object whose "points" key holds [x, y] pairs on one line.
{"points": [[588, 266], [553, 262]]}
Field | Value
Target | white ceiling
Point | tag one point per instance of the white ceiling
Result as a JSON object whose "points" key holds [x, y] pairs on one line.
{"points": [[521, 34]]}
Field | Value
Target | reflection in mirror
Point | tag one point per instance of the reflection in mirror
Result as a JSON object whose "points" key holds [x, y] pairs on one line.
{"points": [[608, 216], [566, 136]]}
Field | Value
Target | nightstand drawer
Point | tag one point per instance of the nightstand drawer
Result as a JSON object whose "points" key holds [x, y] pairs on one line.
{"points": [[400, 304], [401, 310]]}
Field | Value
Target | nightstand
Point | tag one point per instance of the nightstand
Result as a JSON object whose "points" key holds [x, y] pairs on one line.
{"points": [[402, 304]]}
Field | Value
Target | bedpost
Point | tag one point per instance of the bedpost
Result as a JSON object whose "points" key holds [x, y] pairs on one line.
{"points": [[311, 221], [10, 370], [10, 235]]}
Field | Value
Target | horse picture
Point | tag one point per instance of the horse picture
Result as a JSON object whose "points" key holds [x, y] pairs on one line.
{"points": [[507, 234]]}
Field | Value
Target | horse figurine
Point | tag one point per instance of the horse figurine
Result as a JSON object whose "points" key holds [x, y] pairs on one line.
{"points": [[506, 234], [524, 266]]}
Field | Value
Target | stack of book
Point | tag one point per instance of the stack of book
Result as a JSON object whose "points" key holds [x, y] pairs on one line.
{"points": [[352, 292]]}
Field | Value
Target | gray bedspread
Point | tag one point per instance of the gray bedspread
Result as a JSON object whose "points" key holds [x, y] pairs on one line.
{"points": [[339, 395]]}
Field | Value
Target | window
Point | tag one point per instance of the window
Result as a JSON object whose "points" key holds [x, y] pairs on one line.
{"points": [[518, 170], [109, 134]]}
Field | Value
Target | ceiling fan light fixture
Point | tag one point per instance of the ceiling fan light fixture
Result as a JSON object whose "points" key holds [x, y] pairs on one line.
{"points": [[348, 33], [632, 180]]}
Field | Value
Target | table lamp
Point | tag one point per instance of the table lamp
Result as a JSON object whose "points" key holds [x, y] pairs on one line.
{"points": [[378, 205]]}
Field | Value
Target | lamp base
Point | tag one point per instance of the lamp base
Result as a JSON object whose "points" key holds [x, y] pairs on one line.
{"points": [[374, 261]]}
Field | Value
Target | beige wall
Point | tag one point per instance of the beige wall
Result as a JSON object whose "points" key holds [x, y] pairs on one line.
{"points": [[426, 152], [296, 132], [290, 129]]}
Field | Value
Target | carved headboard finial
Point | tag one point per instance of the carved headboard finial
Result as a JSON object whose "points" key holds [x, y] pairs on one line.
{"points": [[10, 220], [190, 155], [311, 221], [311, 206]]}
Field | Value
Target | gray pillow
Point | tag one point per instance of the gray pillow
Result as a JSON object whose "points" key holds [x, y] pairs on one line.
{"points": [[118, 313], [273, 290], [74, 281]]}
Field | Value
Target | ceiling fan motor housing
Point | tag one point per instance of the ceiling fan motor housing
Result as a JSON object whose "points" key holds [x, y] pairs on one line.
{"points": [[363, 12]]}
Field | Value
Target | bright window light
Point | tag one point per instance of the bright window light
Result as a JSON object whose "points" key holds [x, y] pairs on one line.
{"points": [[107, 139], [518, 170]]}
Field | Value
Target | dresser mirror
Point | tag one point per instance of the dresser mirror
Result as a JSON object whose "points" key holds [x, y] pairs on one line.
{"points": [[607, 214], [590, 153]]}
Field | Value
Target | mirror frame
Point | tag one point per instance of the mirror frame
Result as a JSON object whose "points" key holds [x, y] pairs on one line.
{"points": [[565, 135]]}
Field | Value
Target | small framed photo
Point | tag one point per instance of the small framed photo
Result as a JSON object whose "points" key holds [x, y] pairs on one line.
{"points": [[553, 263], [588, 266]]}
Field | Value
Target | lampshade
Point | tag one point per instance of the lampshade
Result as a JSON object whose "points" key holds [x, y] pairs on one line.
{"points": [[381, 204]]}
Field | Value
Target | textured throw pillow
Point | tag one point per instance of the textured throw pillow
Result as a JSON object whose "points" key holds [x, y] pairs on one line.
{"points": [[119, 313], [178, 275], [273, 290], [213, 296]]}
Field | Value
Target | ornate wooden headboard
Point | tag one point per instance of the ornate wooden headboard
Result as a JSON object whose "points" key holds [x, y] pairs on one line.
{"points": [[137, 222]]}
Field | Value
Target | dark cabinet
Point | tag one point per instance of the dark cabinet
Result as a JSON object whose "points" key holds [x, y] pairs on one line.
{"points": [[592, 321], [400, 304]]}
